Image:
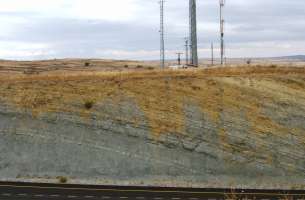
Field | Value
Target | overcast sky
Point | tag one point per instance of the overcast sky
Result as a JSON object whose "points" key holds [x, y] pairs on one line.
{"points": [[128, 29]]}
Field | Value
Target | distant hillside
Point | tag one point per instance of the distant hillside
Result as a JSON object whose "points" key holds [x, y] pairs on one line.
{"points": [[296, 57]]}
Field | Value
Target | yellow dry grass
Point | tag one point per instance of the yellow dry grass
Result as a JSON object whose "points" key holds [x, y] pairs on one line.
{"points": [[162, 94], [70, 65]]}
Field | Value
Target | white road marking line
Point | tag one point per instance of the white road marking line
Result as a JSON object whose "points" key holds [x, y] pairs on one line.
{"points": [[140, 197], [105, 197], [22, 194], [88, 197], [6, 194], [158, 198], [193, 198], [71, 196], [38, 195]]}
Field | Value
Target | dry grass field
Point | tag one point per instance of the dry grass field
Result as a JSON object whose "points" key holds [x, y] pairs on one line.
{"points": [[70, 65], [161, 94]]}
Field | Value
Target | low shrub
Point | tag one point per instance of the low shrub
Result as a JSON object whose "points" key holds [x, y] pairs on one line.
{"points": [[62, 179], [88, 104], [196, 87]]}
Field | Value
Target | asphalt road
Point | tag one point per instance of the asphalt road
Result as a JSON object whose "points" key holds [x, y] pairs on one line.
{"points": [[29, 191]]}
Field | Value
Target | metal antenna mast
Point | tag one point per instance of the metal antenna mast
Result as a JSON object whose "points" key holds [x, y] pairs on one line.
{"points": [[162, 48], [186, 50], [179, 58], [222, 22], [212, 54], [193, 32]]}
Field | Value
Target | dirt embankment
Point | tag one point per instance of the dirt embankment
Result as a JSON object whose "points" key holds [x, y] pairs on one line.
{"points": [[242, 124]]}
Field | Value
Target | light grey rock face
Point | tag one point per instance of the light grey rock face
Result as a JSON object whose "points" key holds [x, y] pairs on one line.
{"points": [[115, 149]]}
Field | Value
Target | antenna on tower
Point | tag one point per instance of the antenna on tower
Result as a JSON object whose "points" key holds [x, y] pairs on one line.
{"points": [[162, 48], [222, 22]]}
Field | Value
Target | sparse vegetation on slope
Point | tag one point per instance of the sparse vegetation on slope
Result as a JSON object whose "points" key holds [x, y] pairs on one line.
{"points": [[161, 95], [242, 93]]}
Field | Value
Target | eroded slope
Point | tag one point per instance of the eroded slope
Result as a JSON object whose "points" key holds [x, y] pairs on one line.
{"points": [[219, 127]]}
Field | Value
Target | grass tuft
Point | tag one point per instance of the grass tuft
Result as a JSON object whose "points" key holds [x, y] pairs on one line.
{"points": [[89, 104], [62, 179]]}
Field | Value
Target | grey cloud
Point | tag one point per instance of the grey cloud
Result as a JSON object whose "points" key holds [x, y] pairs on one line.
{"points": [[263, 21]]}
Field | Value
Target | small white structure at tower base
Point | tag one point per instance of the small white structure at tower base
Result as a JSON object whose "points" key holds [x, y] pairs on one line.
{"points": [[178, 67]]}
